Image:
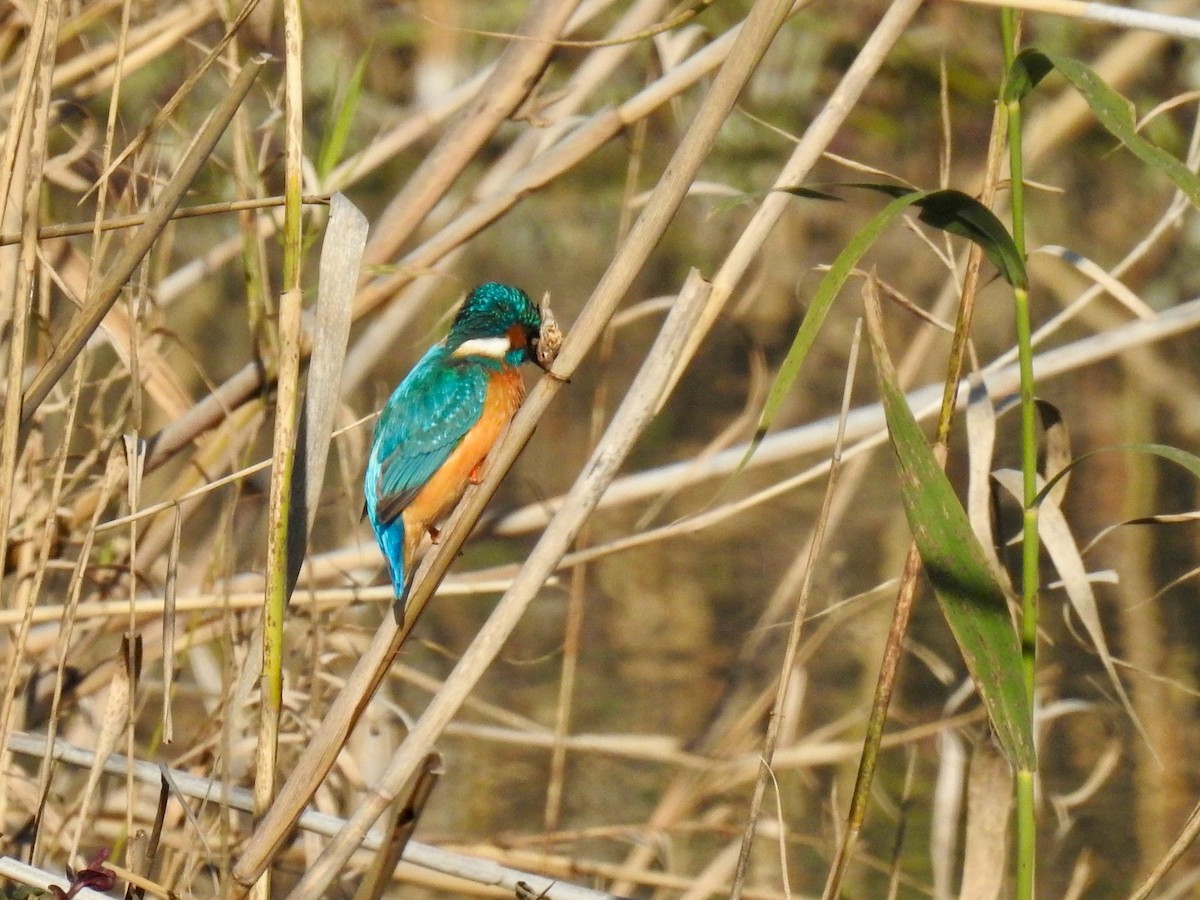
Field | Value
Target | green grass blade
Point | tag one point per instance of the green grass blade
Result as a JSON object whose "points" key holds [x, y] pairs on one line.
{"points": [[949, 210], [1181, 458], [970, 597], [810, 192], [959, 214], [1026, 73], [1112, 110], [333, 146], [822, 302]]}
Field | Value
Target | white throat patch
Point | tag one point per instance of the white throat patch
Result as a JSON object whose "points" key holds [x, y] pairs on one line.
{"points": [[494, 347]]}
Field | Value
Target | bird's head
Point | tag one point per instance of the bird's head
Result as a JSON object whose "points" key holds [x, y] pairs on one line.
{"points": [[496, 322]]}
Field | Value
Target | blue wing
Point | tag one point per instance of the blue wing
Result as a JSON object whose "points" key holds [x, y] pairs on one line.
{"points": [[424, 420]]}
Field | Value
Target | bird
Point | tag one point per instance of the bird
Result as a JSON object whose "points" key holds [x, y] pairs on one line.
{"points": [[441, 421]]}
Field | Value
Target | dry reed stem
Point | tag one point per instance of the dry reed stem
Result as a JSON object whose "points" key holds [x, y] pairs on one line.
{"points": [[398, 825], [600, 66], [131, 220], [101, 185], [573, 627], [1105, 14], [281, 518], [1187, 836], [233, 601], [170, 609], [111, 727]]}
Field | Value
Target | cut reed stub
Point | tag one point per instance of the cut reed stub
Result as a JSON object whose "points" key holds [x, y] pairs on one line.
{"points": [[550, 335]]}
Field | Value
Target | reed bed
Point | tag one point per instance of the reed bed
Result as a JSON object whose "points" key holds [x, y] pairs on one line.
{"points": [[671, 646]]}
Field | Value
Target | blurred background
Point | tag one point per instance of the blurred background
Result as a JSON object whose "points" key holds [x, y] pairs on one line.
{"points": [[671, 648]]}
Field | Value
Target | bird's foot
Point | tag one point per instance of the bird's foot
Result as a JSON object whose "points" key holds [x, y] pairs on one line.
{"points": [[475, 477], [434, 534]]}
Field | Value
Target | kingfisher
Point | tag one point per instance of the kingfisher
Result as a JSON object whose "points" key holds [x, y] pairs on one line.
{"points": [[443, 418]]}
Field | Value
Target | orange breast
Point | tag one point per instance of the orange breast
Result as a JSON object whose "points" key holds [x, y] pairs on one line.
{"points": [[505, 392]]}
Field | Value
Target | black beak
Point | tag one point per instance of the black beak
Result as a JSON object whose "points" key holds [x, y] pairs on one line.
{"points": [[532, 343]]}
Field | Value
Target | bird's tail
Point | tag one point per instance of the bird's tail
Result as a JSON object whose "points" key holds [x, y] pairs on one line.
{"points": [[391, 539]]}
